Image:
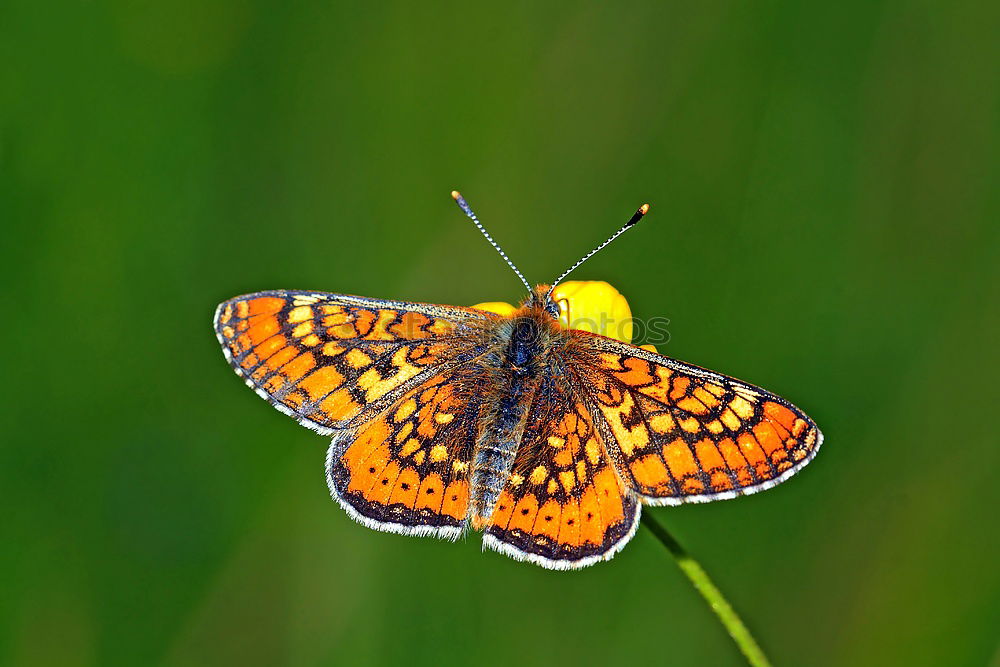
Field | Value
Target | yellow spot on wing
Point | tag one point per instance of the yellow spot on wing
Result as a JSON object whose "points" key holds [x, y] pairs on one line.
{"points": [[629, 439], [405, 410], [690, 425], [357, 358], [375, 387], [567, 479], [538, 475], [440, 453], [593, 452], [741, 407], [300, 314], [411, 446], [662, 423]]}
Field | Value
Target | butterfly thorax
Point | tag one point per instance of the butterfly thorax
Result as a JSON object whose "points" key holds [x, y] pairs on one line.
{"points": [[524, 350]]}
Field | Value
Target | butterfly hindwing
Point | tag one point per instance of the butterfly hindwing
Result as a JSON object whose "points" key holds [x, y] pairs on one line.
{"points": [[407, 470], [564, 506], [331, 360], [685, 434]]}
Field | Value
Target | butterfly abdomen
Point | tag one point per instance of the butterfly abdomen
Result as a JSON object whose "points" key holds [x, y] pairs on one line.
{"points": [[496, 448], [523, 344]]}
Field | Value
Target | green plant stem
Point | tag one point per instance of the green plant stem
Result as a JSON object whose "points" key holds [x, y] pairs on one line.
{"points": [[713, 596]]}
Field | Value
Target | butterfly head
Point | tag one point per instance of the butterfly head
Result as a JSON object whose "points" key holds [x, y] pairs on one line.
{"points": [[541, 299], [587, 305]]}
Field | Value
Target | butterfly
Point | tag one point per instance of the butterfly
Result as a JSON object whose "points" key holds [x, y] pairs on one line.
{"points": [[548, 439]]}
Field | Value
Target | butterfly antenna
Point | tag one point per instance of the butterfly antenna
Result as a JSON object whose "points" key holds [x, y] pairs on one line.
{"points": [[628, 225], [464, 205]]}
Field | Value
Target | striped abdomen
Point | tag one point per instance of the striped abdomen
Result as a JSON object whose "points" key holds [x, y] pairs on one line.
{"points": [[496, 448], [497, 445]]}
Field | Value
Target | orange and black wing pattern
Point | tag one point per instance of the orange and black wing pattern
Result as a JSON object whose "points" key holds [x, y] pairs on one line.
{"points": [[682, 434], [407, 470], [563, 506], [333, 361]]}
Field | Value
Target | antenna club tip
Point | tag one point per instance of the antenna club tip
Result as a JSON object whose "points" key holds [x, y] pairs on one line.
{"points": [[456, 195], [637, 216]]}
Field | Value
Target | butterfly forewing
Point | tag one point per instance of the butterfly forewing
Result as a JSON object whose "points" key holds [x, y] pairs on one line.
{"points": [[331, 360], [680, 433]]}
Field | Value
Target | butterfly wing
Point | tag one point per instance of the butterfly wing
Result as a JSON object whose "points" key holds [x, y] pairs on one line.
{"points": [[680, 433], [331, 360], [563, 507], [407, 470]]}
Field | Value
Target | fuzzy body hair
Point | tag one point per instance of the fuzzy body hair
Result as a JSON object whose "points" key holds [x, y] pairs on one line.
{"points": [[519, 355]]}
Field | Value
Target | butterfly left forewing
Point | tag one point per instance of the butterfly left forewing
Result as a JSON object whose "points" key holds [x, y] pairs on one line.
{"points": [[333, 360], [680, 433]]}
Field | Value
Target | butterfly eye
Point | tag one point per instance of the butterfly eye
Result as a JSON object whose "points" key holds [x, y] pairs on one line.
{"points": [[595, 306]]}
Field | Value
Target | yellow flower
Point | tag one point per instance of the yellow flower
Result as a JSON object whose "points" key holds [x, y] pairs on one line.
{"points": [[498, 307], [588, 305], [595, 306]]}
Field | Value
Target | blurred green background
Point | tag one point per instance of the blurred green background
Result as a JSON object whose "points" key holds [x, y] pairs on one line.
{"points": [[825, 205]]}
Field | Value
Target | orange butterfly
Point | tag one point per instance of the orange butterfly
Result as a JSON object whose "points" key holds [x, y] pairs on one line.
{"points": [[548, 439]]}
